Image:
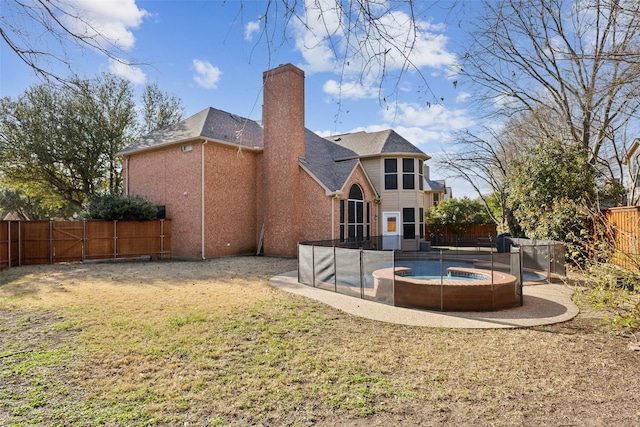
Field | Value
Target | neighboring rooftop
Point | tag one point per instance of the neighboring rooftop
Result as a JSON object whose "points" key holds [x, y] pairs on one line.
{"points": [[437, 185]]}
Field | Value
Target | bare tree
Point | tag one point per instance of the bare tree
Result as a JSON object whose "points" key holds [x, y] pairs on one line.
{"points": [[577, 62], [488, 158], [43, 32], [371, 44]]}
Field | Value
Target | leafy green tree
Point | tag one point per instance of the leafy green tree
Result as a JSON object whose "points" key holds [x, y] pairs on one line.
{"points": [[455, 216], [59, 144], [26, 207], [159, 108], [116, 207], [64, 141], [553, 192]]}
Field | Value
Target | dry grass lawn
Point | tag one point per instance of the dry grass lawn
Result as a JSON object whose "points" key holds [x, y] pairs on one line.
{"points": [[212, 344]]}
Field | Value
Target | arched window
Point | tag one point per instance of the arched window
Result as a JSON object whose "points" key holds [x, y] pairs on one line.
{"points": [[355, 214]]}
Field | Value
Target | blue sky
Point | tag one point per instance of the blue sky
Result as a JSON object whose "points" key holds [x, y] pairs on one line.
{"points": [[213, 53]]}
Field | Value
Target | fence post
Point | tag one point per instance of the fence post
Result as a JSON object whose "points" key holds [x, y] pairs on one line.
{"points": [[521, 279], [50, 242], [361, 276], [549, 263], [441, 282], [84, 240], [393, 276], [492, 283], [335, 272], [19, 242], [313, 263], [162, 239], [9, 244], [115, 239]]}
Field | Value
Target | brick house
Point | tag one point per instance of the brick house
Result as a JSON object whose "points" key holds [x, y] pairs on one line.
{"points": [[230, 184]]}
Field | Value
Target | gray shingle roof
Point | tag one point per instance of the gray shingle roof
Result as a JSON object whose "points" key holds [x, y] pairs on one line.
{"points": [[321, 159], [331, 160], [376, 143], [209, 123], [437, 185]]}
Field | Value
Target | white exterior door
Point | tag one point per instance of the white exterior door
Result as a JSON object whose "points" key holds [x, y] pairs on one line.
{"points": [[390, 230]]}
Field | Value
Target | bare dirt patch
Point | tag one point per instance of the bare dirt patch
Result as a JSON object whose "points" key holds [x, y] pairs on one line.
{"points": [[211, 343]]}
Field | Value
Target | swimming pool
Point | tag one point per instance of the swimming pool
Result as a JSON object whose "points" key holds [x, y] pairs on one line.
{"points": [[486, 291], [434, 268]]}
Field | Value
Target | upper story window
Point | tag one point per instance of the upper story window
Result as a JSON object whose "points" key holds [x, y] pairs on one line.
{"points": [[390, 174], [436, 199], [408, 174], [420, 176]]}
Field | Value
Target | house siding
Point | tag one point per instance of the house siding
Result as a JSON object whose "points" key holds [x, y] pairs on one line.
{"points": [[315, 216], [230, 203], [171, 177], [396, 200], [373, 167], [284, 138]]}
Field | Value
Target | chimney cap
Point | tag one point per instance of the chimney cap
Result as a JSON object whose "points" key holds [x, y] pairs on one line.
{"points": [[282, 69]]}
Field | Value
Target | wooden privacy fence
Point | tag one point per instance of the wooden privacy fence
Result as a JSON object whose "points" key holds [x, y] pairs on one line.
{"points": [[484, 234], [622, 228], [49, 242]]}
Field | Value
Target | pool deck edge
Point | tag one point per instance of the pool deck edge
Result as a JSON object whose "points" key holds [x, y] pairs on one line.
{"points": [[544, 304]]}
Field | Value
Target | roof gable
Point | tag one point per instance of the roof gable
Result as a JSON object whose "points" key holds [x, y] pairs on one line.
{"points": [[321, 161], [366, 144], [209, 123]]}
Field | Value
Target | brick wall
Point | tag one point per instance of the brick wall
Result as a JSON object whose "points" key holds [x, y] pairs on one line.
{"points": [[230, 203], [172, 177], [315, 214], [283, 121]]}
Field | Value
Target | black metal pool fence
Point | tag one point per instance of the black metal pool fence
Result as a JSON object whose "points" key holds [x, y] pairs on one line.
{"points": [[348, 267]]}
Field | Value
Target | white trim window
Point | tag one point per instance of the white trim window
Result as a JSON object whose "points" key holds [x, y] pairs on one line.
{"points": [[408, 174], [390, 174]]}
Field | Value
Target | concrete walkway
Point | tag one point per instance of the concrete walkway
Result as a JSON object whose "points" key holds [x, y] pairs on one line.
{"points": [[544, 304]]}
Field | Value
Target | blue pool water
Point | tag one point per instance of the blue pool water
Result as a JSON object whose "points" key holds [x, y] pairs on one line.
{"points": [[445, 278], [431, 267], [432, 270]]}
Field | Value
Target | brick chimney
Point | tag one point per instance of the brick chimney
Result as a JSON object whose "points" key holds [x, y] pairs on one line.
{"points": [[283, 122]]}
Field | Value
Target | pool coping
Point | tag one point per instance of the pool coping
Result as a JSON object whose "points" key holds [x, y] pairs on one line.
{"points": [[544, 304]]}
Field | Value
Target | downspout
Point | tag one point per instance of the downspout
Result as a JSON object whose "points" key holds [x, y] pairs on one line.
{"points": [[202, 199]]}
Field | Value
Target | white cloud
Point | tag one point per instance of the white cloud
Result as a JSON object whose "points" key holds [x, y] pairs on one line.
{"points": [[353, 90], [328, 37], [250, 29], [463, 96], [108, 22], [434, 116], [207, 75], [127, 71]]}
